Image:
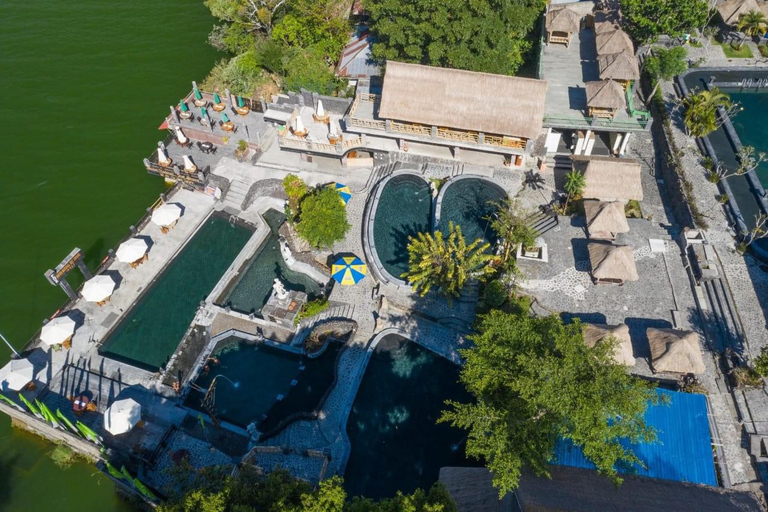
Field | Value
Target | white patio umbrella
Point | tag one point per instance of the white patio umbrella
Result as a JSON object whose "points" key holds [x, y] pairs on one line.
{"points": [[189, 165], [298, 125], [58, 330], [166, 214], [320, 109], [98, 288], [132, 250], [16, 374], [122, 416], [162, 156], [180, 137], [332, 129]]}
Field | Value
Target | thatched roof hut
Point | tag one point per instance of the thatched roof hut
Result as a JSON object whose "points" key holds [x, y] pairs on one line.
{"points": [[595, 333], [605, 98], [614, 42], [561, 24], [464, 100], [605, 219], [610, 179], [612, 264], [730, 10], [571, 489], [675, 351], [620, 66], [602, 27]]}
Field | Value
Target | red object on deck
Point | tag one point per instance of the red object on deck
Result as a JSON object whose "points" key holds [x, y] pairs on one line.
{"points": [[80, 404], [163, 126]]}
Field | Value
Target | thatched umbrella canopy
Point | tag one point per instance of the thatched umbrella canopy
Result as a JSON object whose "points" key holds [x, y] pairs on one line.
{"points": [[562, 20], [618, 66], [605, 94], [595, 333], [675, 351], [613, 42], [605, 217], [612, 263], [730, 10]]}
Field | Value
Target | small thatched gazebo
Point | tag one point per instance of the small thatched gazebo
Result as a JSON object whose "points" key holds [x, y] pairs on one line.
{"points": [[610, 179], [604, 98], [595, 333], [612, 264], [730, 10], [561, 24], [613, 42], [621, 66], [675, 351], [605, 219], [602, 27]]}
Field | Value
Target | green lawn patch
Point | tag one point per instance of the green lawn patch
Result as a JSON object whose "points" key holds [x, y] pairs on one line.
{"points": [[632, 210], [734, 52], [763, 50]]}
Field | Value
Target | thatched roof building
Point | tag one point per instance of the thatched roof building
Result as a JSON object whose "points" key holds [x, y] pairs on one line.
{"points": [[614, 42], [602, 27], [605, 98], [583, 490], [730, 10], [464, 100], [610, 179], [561, 24], [595, 333], [620, 66], [605, 219], [675, 351], [612, 264]]}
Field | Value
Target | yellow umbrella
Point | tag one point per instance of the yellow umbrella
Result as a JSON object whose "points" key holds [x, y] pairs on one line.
{"points": [[348, 270]]}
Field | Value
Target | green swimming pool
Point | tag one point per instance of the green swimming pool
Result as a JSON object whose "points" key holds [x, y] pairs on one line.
{"points": [[468, 203], [263, 384], [752, 127], [404, 209], [396, 442], [150, 332], [250, 293]]}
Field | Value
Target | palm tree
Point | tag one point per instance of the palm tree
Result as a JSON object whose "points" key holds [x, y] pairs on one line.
{"points": [[446, 264], [574, 185], [701, 111], [509, 222], [752, 23]]}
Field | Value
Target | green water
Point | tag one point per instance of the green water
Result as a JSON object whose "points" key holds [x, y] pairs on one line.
{"points": [[151, 331], [85, 85], [469, 203], [751, 125]]}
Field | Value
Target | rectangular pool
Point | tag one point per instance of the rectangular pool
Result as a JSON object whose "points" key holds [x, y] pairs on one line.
{"points": [[152, 329]]}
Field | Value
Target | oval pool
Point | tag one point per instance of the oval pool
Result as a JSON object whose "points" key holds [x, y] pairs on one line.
{"points": [[404, 209], [468, 203]]}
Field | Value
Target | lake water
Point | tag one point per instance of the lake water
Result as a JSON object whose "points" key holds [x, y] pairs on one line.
{"points": [[85, 85]]}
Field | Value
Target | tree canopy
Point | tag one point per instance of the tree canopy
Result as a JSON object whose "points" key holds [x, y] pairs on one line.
{"points": [[481, 35], [645, 20], [211, 490], [701, 111], [322, 218], [664, 64], [534, 382]]}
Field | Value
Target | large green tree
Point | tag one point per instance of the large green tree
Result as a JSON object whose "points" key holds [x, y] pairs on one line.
{"points": [[323, 218], [664, 64], [535, 381], [645, 20], [479, 35], [446, 263]]}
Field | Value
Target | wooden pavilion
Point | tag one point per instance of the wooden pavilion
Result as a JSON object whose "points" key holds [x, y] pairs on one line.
{"points": [[561, 24], [675, 351], [605, 219], [605, 98], [612, 264], [621, 67]]}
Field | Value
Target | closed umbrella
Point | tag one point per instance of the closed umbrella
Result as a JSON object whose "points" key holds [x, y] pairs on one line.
{"points": [[16, 374], [58, 330], [183, 106], [216, 98], [224, 118], [180, 137], [348, 270], [166, 214], [298, 125], [189, 165], [122, 416], [320, 109], [132, 250], [98, 288]]}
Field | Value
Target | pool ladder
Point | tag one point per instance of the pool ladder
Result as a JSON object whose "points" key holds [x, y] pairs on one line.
{"points": [[760, 83], [232, 220]]}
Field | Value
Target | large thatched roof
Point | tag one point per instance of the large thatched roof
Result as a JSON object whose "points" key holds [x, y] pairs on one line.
{"points": [[465, 100], [730, 10], [605, 94], [618, 66], [612, 262], [595, 333], [613, 42], [605, 216], [675, 351], [602, 27], [562, 20], [610, 179]]}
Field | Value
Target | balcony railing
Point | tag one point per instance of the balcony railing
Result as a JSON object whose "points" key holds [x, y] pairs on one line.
{"points": [[589, 122]]}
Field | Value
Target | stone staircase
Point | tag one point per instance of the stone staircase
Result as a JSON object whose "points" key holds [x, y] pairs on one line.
{"points": [[236, 195], [378, 174], [337, 311], [542, 221]]}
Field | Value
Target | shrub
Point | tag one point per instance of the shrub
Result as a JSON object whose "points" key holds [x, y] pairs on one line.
{"points": [[311, 308], [495, 294], [323, 218], [761, 362], [747, 377], [308, 69], [713, 177]]}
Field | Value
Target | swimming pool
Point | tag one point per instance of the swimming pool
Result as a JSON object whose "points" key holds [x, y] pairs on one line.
{"points": [[404, 210], [250, 293], [254, 375], [468, 203], [150, 332], [396, 442]]}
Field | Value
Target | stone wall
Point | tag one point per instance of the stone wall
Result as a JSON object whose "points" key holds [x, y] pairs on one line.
{"points": [[269, 187]]}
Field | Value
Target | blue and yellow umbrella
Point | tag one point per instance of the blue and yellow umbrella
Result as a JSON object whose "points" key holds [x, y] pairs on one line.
{"points": [[348, 270], [343, 191]]}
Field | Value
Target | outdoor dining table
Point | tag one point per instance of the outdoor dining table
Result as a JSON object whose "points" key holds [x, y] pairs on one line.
{"points": [[80, 403], [206, 147]]}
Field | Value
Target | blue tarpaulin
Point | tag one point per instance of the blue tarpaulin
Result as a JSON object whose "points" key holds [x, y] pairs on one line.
{"points": [[682, 452]]}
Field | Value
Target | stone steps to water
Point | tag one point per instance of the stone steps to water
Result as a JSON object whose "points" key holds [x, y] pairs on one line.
{"points": [[236, 194], [341, 310]]}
